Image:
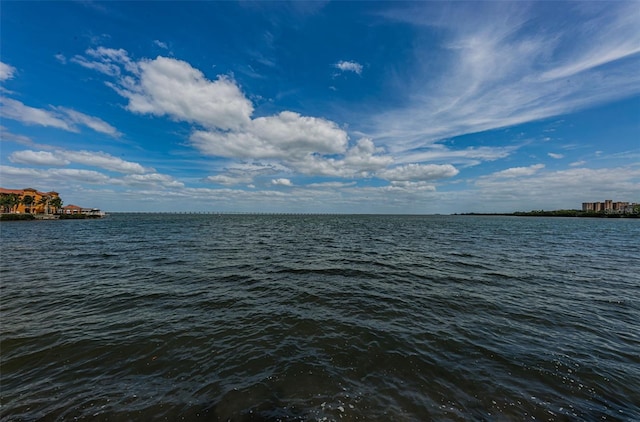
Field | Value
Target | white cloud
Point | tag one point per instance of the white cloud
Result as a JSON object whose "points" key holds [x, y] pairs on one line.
{"points": [[349, 66], [106, 68], [6, 136], [570, 187], [38, 158], [152, 179], [61, 58], [440, 152], [493, 71], [245, 173], [52, 176], [91, 122], [230, 179], [284, 136], [281, 182], [311, 145], [58, 117], [15, 110], [161, 44], [330, 185], [419, 172], [23, 176], [556, 156], [173, 88], [413, 186], [103, 160], [6, 71], [577, 163], [519, 171], [88, 158]]}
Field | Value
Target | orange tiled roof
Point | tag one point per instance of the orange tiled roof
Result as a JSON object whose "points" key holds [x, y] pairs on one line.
{"points": [[8, 191], [22, 191]]}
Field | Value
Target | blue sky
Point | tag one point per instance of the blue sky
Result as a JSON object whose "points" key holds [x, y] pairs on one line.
{"points": [[362, 107]]}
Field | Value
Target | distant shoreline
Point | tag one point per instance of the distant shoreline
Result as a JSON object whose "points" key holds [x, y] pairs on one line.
{"points": [[556, 213]]}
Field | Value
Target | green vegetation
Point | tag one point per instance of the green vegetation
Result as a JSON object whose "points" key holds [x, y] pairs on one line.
{"points": [[16, 217], [573, 213], [9, 202], [565, 213]]}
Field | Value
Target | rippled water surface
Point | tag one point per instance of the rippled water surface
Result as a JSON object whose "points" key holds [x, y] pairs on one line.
{"points": [[257, 317]]}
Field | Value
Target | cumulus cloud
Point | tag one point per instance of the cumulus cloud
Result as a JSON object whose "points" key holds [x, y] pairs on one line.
{"points": [[6, 71], [419, 172], [173, 88], [224, 125], [285, 135], [281, 182], [349, 66], [223, 121]]}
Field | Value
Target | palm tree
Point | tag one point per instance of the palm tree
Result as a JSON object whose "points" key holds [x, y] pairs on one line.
{"points": [[56, 203], [45, 201], [27, 201], [13, 201], [5, 203]]}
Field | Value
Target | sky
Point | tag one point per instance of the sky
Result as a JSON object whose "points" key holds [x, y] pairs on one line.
{"points": [[322, 107]]}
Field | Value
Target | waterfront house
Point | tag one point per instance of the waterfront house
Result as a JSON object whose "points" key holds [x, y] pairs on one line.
{"points": [[71, 209]]}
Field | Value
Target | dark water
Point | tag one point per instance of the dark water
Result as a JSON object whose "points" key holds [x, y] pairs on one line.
{"points": [[240, 317]]}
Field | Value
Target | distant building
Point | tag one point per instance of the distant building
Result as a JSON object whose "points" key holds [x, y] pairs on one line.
{"points": [[28, 201], [76, 210], [71, 209], [608, 206]]}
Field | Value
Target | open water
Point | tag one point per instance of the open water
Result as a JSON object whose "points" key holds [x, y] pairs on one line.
{"points": [[265, 318]]}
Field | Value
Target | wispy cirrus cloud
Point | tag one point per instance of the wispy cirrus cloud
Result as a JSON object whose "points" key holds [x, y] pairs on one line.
{"points": [[60, 158], [522, 64], [95, 123], [161, 44], [573, 185], [6, 71], [57, 117], [16, 110], [517, 171]]}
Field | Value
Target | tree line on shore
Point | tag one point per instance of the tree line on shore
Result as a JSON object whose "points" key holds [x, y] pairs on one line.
{"points": [[567, 213]]}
